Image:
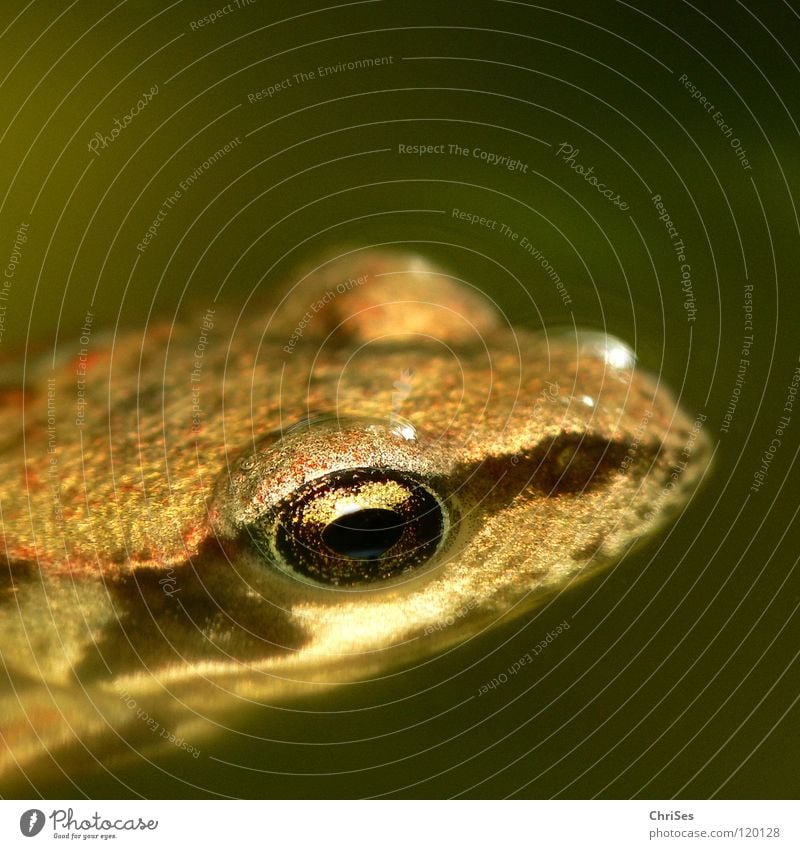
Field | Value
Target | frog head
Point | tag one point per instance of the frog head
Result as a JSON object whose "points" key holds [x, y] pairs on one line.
{"points": [[368, 469]]}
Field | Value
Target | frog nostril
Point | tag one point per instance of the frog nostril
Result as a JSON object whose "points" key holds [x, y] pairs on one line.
{"points": [[364, 534]]}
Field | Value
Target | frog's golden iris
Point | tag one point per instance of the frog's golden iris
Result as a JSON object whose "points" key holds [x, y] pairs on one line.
{"points": [[354, 526]]}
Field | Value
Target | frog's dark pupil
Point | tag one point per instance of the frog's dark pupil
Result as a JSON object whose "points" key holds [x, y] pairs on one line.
{"points": [[397, 523], [364, 534]]}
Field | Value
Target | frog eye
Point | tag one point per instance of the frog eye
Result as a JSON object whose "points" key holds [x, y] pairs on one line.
{"points": [[341, 503], [353, 527]]}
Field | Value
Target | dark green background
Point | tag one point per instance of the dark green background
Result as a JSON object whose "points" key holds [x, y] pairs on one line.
{"points": [[680, 673]]}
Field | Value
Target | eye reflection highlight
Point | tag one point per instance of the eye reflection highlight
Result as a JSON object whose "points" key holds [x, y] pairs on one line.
{"points": [[364, 534]]}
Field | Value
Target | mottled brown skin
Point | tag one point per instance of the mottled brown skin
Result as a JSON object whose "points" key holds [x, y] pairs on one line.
{"points": [[135, 581]]}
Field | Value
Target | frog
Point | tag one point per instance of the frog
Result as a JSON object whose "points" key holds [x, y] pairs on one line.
{"points": [[355, 471]]}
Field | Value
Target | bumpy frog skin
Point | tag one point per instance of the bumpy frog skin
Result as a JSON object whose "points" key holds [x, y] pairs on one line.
{"points": [[243, 508]]}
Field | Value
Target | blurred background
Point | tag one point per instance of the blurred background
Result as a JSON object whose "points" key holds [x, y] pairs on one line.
{"points": [[158, 156]]}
